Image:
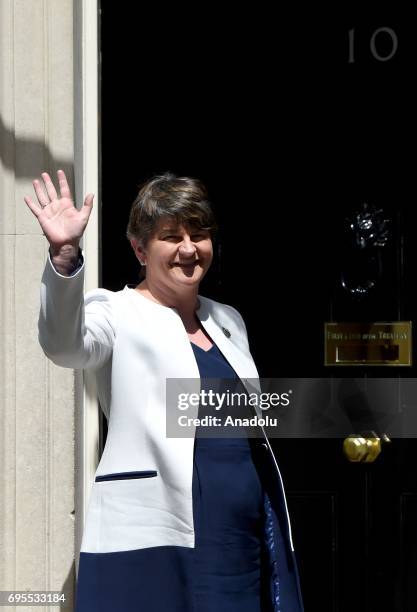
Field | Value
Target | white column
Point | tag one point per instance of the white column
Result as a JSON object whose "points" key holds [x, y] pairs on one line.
{"points": [[86, 180], [40, 403]]}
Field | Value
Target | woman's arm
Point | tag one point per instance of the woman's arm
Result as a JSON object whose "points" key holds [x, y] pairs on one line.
{"points": [[74, 331]]}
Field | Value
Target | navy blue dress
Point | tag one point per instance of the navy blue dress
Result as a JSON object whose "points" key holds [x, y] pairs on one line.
{"points": [[223, 572]]}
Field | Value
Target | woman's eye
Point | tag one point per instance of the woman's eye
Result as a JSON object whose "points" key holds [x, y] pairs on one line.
{"points": [[194, 237]]}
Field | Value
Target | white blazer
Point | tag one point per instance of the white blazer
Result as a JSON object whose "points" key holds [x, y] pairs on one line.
{"points": [[142, 495]]}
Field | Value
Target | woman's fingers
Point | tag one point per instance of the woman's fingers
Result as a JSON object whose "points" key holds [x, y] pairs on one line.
{"points": [[88, 206], [52, 195], [33, 207], [50, 189], [63, 184], [40, 194], [89, 200]]}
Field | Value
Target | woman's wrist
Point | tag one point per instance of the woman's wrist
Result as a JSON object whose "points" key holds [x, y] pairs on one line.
{"points": [[66, 259], [64, 251]]}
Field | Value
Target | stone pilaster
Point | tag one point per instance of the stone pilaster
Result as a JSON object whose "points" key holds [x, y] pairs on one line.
{"points": [[37, 398]]}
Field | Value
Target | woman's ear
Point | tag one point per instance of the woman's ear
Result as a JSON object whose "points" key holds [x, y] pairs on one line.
{"points": [[139, 251]]}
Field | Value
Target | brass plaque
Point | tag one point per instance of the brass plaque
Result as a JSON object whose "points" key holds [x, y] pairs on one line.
{"points": [[367, 344]]}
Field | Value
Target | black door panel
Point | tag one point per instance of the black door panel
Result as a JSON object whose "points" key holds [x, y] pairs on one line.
{"points": [[292, 134]]}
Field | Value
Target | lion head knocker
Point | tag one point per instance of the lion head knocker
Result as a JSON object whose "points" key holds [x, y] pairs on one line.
{"points": [[366, 234]]}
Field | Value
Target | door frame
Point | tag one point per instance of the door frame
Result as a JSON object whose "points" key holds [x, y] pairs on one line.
{"points": [[87, 179]]}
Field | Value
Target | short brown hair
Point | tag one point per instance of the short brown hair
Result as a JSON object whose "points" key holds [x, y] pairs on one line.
{"points": [[166, 195]]}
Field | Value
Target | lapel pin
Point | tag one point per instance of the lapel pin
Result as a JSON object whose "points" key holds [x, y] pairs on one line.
{"points": [[226, 332]]}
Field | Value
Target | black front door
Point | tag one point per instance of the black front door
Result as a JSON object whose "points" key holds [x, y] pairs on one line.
{"points": [[294, 125]]}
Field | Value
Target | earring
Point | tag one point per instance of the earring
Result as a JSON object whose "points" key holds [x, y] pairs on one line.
{"points": [[142, 263]]}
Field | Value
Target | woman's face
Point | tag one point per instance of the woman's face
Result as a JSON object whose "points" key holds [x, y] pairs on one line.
{"points": [[177, 255]]}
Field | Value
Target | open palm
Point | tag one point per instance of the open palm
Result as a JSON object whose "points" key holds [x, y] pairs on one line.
{"points": [[61, 222]]}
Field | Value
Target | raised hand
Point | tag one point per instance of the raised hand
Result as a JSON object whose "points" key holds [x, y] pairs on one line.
{"points": [[62, 223]]}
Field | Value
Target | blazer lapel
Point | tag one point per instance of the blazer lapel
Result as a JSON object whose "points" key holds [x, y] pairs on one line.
{"points": [[241, 362]]}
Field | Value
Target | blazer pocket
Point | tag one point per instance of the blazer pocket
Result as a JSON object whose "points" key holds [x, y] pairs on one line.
{"points": [[126, 475]]}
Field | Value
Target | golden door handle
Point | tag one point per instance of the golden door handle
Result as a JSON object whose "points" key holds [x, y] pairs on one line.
{"points": [[363, 449]]}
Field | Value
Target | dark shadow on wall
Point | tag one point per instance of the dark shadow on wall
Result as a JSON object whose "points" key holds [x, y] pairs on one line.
{"points": [[27, 157], [69, 588]]}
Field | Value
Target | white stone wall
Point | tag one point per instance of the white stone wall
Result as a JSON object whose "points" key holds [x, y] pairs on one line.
{"points": [[37, 402]]}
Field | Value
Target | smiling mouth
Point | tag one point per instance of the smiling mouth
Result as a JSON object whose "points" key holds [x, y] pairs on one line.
{"points": [[188, 265]]}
